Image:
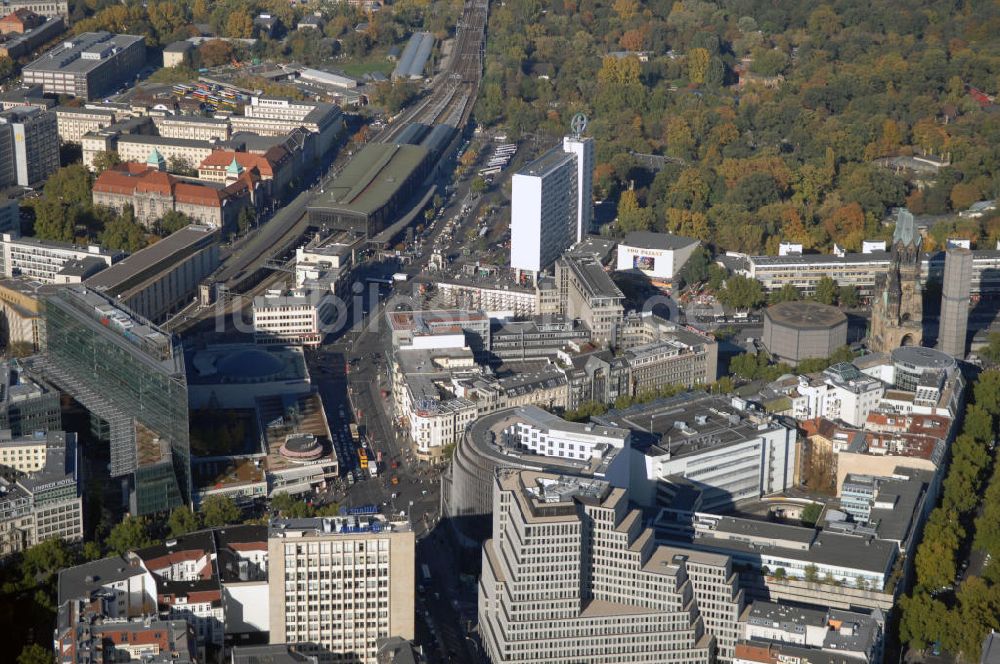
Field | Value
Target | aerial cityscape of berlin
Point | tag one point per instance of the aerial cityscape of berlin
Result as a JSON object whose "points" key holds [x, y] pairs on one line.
{"points": [[500, 331]]}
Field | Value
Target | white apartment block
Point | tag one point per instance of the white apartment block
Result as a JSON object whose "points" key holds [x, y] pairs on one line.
{"points": [[138, 148], [132, 586], [299, 317], [571, 575], [841, 393], [519, 301], [270, 116], [337, 585], [549, 435], [52, 262], [432, 419]]}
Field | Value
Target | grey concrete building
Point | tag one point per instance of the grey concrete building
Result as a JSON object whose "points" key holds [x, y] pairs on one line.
{"points": [[795, 331], [537, 337], [27, 403], [162, 278], [955, 291], [571, 575], [337, 585], [89, 65], [31, 140]]}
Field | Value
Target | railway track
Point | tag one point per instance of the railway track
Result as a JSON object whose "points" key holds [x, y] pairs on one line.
{"points": [[452, 98]]}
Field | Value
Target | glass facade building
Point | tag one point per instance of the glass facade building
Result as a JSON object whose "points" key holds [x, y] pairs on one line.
{"points": [[130, 374], [27, 404]]}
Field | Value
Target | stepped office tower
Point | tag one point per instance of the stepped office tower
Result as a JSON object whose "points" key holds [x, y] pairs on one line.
{"points": [[572, 576], [955, 291], [130, 375]]}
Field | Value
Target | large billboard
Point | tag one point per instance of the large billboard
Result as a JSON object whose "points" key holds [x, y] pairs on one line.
{"points": [[644, 263]]}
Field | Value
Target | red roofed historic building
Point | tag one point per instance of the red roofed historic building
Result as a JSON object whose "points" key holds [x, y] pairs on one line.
{"points": [[20, 21], [274, 166], [152, 193]]}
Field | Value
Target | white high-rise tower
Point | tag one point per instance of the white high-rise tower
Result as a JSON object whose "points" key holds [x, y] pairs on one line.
{"points": [[552, 203], [583, 148]]}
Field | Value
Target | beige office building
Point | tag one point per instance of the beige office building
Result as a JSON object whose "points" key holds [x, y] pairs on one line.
{"points": [[337, 585], [73, 123], [571, 575], [588, 293]]}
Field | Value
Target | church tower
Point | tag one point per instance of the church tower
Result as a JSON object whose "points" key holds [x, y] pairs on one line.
{"points": [[897, 311]]}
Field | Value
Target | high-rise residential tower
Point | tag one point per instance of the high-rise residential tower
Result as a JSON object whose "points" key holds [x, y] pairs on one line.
{"points": [[955, 290], [130, 375], [571, 575], [551, 205]]}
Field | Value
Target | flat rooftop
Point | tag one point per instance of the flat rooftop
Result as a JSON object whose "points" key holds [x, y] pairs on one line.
{"points": [[487, 440], [132, 330], [433, 318], [153, 260], [662, 241], [82, 53], [692, 422], [593, 278], [371, 524], [372, 177], [805, 315], [547, 163]]}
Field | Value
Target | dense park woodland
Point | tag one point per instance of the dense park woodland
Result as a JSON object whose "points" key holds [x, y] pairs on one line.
{"points": [[774, 117]]}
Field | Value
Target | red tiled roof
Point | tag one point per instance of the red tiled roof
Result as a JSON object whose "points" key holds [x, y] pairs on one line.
{"points": [[220, 159], [131, 177], [198, 195], [20, 16]]}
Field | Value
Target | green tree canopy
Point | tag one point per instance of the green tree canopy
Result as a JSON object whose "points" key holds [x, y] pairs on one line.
{"points": [[130, 534], [219, 511], [741, 292], [182, 521], [826, 291]]}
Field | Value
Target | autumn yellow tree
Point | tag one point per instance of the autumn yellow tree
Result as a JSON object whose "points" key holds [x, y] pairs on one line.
{"points": [[688, 223], [626, 9], [200, 10], [239, 25], [619, 72], [963, 195], [846, 226], [697, 62]]}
